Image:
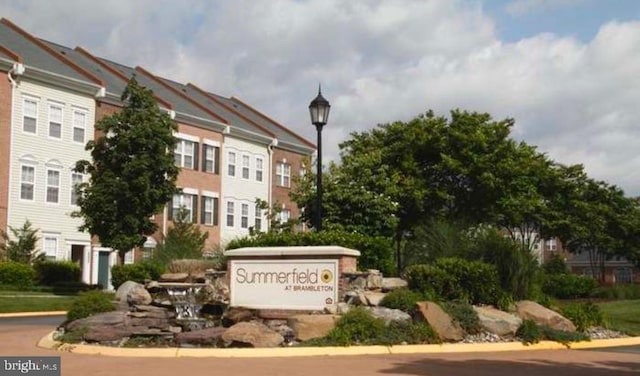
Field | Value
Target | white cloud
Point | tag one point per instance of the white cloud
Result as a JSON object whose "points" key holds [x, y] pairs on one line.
{"points": [[379, 61], [519, 7]]}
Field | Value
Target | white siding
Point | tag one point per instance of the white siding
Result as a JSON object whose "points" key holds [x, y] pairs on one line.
{"points": [[240, 190], [43, 152]]}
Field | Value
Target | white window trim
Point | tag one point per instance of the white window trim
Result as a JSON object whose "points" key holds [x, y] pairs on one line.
{"points": [[59, 106], [190, 191], [281, 174], [213, 211], [211, 194], [261, 169], [185, 197], [248, 167], [187, 137], [207, 146], [73, 187], [50, 236], [33, 183], [213, 143], [243, 216], [73, 124], [37, 101], [46, 185], [226, 213], [234, 164], [183, 143]]}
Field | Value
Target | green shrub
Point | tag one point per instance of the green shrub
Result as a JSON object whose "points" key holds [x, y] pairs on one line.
{"points": [[584, 315], [555, 265], [359, 327], [618, 292], [505, 302], [516, 266], [456, 279], [89, 303], [18, 275], [376, 252], [53, 272], [569, 286], [530, 332], [402, 299], [355, 327], [464, 314], [135, 272]]}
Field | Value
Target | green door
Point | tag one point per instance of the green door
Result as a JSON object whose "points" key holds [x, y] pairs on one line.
{"points": [[103, 269]]}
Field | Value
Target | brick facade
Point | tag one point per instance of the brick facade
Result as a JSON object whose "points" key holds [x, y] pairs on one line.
{"points": [[280, 194]]}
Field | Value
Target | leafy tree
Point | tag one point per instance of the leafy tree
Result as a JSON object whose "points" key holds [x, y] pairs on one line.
{"points": [[184, 240], [22, 248], [273, 216], [132, 174]]}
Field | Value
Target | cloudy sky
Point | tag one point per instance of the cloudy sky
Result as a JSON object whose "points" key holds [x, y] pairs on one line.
{"points": [[568, 71]]}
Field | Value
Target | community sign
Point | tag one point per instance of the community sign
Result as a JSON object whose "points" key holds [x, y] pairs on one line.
{"points": [[284, 284]]}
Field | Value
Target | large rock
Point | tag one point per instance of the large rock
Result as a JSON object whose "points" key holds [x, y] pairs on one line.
{"points": [[150, 322], [389, 284], [498, 322], [106, 333], [251, 334], [374, 279], [217, 292], [439, 320], [204, 337], [99, 319], [374, 298], [235, 315], [529, 310], [307, 327], [174, 277], [388, 314], [133, 293]]}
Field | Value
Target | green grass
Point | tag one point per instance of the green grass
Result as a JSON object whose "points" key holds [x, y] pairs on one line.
{"points": [[622, 315], [27, 301]]}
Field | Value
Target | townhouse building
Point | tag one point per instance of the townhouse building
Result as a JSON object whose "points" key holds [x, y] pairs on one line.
{"points": [[229, 153]]}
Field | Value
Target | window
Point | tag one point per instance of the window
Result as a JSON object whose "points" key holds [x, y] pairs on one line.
{"points": [[50, 246], [209, 214], [552, 245], [230, 208], [624, 275], [185, 154], [27, 182], [210, 159], [231, 169], [183, 202], [258, 220], [259, 168], [53, 186], [76, 179], [245, 166], [30, 115], [284, 215], [147, 253], [283, 174], [244, 219], [55, 121], [79, 125], [128, 257]]}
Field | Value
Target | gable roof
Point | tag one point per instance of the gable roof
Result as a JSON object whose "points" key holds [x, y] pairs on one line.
{"points": [[38, 55]]}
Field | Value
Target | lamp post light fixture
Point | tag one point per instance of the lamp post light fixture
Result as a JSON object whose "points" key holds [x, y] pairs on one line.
{"points": [[319, 110]]}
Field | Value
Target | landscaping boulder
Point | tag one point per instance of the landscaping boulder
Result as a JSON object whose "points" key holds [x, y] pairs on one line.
{"points": [[106, 333], [439, 320], [374, 279], [157, 323], [307, 327], [235, 315], [388, 314], [373, 298], [138, 295], [251, 334], [123, 290], [204, 337], [174, 277], [529, 310], [390, 284], [498, 322], [99, 319]]}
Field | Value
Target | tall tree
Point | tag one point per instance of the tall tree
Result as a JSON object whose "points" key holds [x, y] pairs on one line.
{"points": [[20, 246], [132, 172]]}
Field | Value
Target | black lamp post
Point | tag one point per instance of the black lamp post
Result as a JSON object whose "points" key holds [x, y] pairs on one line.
{"points": [[319, 109]]}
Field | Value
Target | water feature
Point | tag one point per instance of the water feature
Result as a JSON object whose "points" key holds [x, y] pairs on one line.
{"points": [[185, 299]]}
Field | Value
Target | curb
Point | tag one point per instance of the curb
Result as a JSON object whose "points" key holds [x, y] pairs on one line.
{"points": [[49, 343], [32, 314]]}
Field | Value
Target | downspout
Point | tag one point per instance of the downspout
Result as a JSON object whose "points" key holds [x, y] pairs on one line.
{"points": [[273, 143], [18, 69]]}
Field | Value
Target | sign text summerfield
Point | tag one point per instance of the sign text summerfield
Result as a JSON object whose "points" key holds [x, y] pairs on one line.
{"points": [[284, 284]]}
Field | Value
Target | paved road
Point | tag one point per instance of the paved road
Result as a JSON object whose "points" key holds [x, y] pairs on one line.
{"points": [[19, 340], [51, 321]]}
